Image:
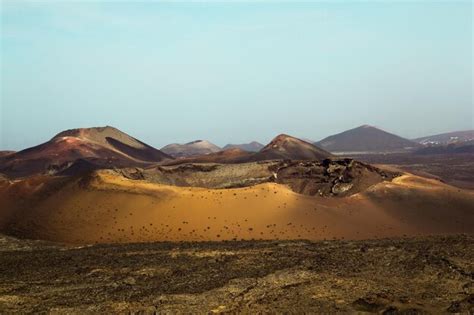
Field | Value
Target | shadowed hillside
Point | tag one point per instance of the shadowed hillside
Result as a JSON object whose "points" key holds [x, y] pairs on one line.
{"points": [[365, 139]]}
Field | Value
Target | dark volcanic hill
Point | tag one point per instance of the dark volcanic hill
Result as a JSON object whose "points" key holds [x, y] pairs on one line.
{"points": [[194, 148], [447, 138], [288, 147], [253, 146], [107, 146], [365, 139]]}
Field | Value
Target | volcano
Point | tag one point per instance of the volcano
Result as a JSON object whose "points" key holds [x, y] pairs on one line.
{"points": [[287, 147], [107, 146], [365, 139]]}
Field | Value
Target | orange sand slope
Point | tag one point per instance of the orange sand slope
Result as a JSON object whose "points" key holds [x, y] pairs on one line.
{"points": [[109, 208]]}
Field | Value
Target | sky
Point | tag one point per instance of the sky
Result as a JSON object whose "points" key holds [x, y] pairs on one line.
{"points": [[233, 71]]}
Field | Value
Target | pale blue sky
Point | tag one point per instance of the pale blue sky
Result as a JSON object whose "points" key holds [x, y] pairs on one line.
{"points": [[234, 71]]}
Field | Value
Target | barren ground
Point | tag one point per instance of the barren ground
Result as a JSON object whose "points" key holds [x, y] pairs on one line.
{"points": [[454, 169], [409, 276], [109, 208]]}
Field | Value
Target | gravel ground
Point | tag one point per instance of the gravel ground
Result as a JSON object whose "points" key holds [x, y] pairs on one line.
{"points": [[389, 276]]}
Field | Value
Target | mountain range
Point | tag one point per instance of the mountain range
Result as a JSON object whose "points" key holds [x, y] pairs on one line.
{"points": [[282, 147], [82, 149], [110, 187]]}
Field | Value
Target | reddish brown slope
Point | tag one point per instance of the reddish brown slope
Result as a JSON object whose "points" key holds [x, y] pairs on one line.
{"points": [[5, 153], [224, 157], [288, 147], [105, 146]]}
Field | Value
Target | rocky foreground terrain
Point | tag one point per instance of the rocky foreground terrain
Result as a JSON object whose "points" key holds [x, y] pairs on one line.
{"points": [[390, 276]]}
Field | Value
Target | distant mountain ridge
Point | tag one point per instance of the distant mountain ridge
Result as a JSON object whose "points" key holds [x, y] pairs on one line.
{"points": [[193, 148], [282, 147], [253, 146], [83, 149], [447, 138], [365, 139]]}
